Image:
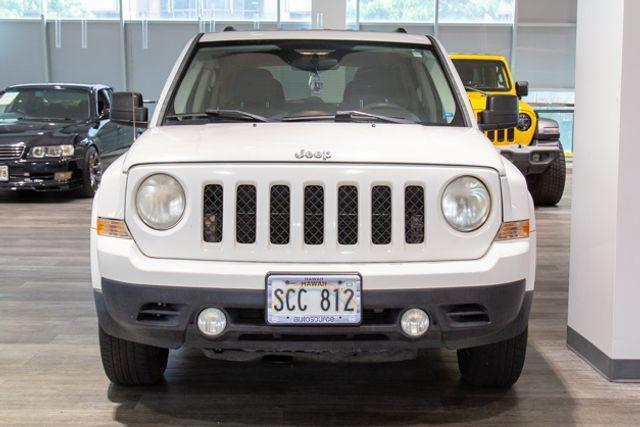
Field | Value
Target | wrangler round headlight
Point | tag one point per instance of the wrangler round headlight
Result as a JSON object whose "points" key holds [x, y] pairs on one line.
{"points": [[524, 122], [466, 203], [160, 201]]}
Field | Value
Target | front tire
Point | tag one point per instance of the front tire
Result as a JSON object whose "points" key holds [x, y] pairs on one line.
{"points": [[91, 173], [497, 365], [129, 363], [548, 187]]}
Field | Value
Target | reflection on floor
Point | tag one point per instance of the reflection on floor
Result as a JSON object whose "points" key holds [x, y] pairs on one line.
{"points": [[50, 370]]}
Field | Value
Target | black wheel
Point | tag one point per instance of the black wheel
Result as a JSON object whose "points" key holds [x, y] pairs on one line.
{"points": [[497, 365], [130, 363], [91, 173], [547, 189]]}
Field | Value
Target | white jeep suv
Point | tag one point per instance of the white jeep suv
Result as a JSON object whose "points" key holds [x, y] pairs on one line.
{"points": [[316, 191]]}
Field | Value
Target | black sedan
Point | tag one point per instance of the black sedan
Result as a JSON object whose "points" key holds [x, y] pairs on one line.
{"points": [[58, 137]]}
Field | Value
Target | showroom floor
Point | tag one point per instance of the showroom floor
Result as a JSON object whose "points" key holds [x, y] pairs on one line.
{"points": [[50, 371]]}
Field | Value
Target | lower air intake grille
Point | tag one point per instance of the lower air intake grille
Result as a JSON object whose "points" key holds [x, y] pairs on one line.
{"points": [[313, 215], [348, 215], [381, 215], [280, 215], [212, 218], [246, 214], [414, 214]]}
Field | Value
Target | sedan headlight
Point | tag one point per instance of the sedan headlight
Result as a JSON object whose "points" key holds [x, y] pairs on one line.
{"points": [[466, 203], [160, 201], [524, 122], [51, 151]]}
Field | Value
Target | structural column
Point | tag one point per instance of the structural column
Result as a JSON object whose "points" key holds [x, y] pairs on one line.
{"points": [[604, 294], [333, 14]]}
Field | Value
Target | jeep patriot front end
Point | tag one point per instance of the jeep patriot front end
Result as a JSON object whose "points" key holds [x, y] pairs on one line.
{"points": [[316, 191]]}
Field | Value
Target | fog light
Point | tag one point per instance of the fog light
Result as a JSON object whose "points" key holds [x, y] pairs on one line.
{"points": [[212, 321], [62, 176], [414, 322]]}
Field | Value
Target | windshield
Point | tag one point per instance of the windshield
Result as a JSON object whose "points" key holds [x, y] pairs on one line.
{"points": [[300, 80], [49, 104], [483, 75]]}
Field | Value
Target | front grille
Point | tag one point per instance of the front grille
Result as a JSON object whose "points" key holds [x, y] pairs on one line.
{"points": [[499, 135], [346, 221], [348, 215], [280, 215], [246, 214], [313, 215], [381, 215], [213, 213], [414, 214], [11, 151]]}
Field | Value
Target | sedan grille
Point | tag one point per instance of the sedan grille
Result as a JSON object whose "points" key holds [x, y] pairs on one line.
{"points": [[11, 151]]}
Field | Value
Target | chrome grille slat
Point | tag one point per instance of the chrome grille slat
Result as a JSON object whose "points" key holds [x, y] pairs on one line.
{"points": [[11, 151]]}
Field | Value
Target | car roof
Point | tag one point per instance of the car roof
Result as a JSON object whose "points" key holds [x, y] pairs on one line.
{"points": [[88, 87], [336, 35]]}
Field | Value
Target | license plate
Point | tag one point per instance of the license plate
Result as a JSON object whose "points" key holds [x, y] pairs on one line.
{"points": [[4, 173], [314, 299]]}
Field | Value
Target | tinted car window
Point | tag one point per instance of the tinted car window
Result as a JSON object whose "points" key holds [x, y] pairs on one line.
{"points": [[294, 78], [64, 104]]}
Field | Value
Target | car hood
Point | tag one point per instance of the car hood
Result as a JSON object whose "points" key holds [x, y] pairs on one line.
{"points": [[38, 132], [336, 143]]}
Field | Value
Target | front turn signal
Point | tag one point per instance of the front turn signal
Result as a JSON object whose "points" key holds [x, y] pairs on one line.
{"points": [[514, 230], [112, 228]]}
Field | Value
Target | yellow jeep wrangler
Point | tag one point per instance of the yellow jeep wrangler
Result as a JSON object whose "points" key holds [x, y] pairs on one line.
{"points": [[534, 145]]}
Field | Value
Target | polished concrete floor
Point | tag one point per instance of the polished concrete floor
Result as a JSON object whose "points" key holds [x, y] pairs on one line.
{"points": [[50, 371]]}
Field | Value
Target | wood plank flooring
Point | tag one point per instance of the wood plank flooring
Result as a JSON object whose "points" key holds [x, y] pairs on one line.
{"points": [[50, 371]]}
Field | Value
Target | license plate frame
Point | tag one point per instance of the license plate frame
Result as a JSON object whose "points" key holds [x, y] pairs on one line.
{"points": [[4, 173], [314, 282]]}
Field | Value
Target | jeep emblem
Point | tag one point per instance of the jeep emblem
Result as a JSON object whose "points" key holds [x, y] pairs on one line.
{"points": [[318, 155]]}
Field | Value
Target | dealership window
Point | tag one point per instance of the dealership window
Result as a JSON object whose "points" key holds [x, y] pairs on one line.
{"points": [[397, 11], [476, 11], [83, 9], [295, 10], [240, 10], [12, 9], [161, 9]]}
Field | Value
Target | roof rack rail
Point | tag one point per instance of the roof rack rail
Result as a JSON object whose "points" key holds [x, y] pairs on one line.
{"points": [[229, 28], [400, 30]]}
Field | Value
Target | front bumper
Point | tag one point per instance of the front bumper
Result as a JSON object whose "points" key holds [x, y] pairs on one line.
{"points": [[532, 159], [40, 175], [461, 317]]}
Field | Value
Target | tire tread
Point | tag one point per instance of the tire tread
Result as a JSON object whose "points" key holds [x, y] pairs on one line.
{"points": [[129, 363]]}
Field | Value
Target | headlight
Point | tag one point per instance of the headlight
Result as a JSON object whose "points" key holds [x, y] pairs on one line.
{"points": [[41, 152], [160, 201], [466, 203], [524, 122]]}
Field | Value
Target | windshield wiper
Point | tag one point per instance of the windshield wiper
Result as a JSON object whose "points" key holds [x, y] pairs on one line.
{"points": [[221, 114], [347, 116], [352, 115], [236, 115]]}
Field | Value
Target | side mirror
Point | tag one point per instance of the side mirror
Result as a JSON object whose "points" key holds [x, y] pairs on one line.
{"points": [[501, 113], [127, 109], [522, 89]]}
